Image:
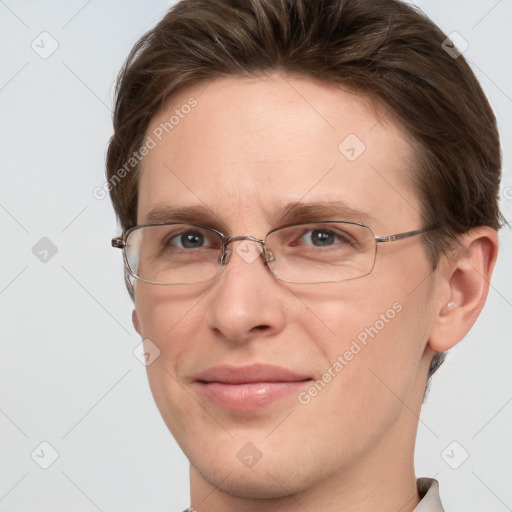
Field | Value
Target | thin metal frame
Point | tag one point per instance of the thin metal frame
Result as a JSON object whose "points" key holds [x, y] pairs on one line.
{"points": [[120, 243]]}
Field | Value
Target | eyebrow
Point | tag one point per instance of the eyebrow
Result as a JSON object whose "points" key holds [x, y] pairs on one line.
{"points": [[328, 210], [287, 214], [166, 213]]}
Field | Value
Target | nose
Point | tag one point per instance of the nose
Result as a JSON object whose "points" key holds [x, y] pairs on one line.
{"points": [[247, 301]]}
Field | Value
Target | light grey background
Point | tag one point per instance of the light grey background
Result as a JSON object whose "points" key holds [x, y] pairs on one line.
{"points": [[67, 372]]}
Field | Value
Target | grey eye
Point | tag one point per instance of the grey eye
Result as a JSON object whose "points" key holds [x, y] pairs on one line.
{"points": [[191, 240], [321, 237]]}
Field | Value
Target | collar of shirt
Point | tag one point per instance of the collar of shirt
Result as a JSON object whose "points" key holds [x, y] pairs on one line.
{"points": [[428, 490]]}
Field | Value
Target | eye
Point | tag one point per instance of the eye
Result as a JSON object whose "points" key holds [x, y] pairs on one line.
{"points": [[323, 237], [188, 240]]}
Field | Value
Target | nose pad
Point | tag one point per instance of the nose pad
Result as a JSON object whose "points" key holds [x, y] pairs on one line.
{"points": [[224, 257], [269, 255]]}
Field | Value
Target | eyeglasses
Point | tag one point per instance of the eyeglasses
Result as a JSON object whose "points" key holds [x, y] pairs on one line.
{"points": [[309, 252]]}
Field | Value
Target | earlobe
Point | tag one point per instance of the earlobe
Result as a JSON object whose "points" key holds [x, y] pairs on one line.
{"points": [[468, 277], [135, 321]]}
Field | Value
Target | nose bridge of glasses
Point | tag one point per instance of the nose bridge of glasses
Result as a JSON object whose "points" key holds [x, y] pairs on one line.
{"points": [[226, 253]]}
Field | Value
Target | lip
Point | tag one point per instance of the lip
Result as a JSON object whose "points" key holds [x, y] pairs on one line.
{"points": [[249, 387]]}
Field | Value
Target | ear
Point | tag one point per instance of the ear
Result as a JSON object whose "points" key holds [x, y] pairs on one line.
{"points": [[136, 323], [466, 277]]}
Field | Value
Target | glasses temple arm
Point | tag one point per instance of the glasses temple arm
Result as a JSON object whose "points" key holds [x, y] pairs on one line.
{"points": [[401, 236], [118, 243]]}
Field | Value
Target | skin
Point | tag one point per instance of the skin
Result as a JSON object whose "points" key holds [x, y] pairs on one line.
{"points": [[250, 147]]}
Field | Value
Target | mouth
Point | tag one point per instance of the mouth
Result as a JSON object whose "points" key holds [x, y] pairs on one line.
{"points": [[255, 386]]}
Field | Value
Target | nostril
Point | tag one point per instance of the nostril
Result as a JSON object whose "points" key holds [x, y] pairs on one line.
{"points": [[260, 327]]}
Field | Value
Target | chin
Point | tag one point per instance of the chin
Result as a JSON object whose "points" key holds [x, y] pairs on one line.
{"points": [[252, 483]]}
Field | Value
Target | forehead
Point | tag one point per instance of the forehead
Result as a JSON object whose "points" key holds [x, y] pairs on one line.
{"points": [[245, 148]]}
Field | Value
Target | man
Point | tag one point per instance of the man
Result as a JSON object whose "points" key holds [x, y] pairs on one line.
{"points": [[307, 192]]}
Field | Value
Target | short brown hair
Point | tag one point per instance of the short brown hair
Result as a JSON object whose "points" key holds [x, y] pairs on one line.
{"points": [[386, 49]]}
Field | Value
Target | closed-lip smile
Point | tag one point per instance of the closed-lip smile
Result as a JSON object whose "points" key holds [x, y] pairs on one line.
{"points": [[247, 387]]}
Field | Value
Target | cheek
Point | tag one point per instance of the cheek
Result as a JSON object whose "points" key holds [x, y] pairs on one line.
{"points": [[172, 320], [370, 373], [361, 310], [372, 336], [165, 312]]}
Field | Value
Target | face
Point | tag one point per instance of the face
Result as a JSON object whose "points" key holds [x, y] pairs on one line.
{"points": [[269, 387]]}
